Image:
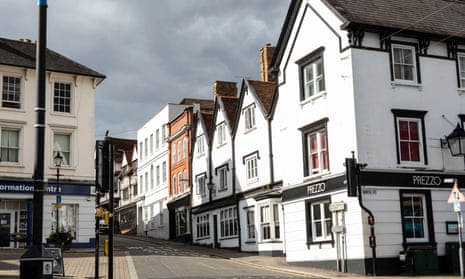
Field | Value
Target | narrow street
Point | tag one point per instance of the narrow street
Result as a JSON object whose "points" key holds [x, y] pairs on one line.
{"points": [[177, 260]]}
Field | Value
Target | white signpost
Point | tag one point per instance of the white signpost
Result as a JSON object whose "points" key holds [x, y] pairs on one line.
{"points": [[456, 197]]}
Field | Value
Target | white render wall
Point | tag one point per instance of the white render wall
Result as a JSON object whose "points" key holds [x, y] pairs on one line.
{"points": [[249, 141], [156, 195], [200, 163]]}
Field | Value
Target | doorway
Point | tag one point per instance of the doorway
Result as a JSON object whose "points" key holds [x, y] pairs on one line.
{"points": [[5, 229]]}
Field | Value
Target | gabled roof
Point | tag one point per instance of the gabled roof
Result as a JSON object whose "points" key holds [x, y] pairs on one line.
{"points": [[205, 119], [265, 93], [121, 144], [229, 105], [22, 54], [438, 19], [441, 18]]}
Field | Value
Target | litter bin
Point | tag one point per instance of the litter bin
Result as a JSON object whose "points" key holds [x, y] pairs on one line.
{"points": [[423, 260], [452, 257]]}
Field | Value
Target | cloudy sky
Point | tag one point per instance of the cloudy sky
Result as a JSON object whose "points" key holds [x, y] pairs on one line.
{"points": [[153, 52]]}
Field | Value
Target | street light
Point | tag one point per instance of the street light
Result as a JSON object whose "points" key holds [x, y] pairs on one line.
{"points": [[58, 160], [456, 143], [210, 186]]}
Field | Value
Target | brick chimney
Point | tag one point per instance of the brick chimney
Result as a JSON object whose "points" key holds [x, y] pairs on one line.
{"points": [[266, 54], [224, 89]]}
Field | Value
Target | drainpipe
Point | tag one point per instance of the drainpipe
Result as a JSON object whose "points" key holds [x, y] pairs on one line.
{"points": [[371, 218]]}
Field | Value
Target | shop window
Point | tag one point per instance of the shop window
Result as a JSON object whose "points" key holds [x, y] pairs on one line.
{"points": [[319, 221]]}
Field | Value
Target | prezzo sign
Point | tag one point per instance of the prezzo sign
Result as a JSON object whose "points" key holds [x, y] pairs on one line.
{"points": [[316, 188], [426, 180]]}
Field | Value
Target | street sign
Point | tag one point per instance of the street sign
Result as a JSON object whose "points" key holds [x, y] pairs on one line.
{"points": [[457, 207], [456, 195], [337, 206]]}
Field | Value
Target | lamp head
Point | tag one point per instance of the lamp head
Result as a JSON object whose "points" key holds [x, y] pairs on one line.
{"points": [[58, 159], [456, 141]]}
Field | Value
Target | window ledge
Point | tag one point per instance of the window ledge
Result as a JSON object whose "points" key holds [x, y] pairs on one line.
{"points": [[250, 242], [249, 130], [312, 99], [395, 84]]}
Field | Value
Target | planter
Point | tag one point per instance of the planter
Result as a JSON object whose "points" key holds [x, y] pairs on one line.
{"points": [[60, 239]]}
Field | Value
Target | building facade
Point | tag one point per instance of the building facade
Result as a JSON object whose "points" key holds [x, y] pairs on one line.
{"points": [[69, 132], [370, 81]]}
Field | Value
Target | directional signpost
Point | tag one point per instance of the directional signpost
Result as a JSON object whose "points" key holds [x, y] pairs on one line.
{"points": [[456, 197]]}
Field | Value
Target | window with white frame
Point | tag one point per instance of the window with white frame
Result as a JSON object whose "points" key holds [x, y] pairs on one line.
{"points": [[9, 145], [269, 222], [146, 147], [185, 142], [173, 153], [250, 213], [180, 182], [203, 226], [221, 133], [315, 143], [410, 137], [157, 174], [152, 182], [141, 148], [62, 97], [62, 145], [157, 139], [163, 171], [404, 63], [461, 69], [414, 210], [312, 77], [68, 220], [151, 144], [164, 128], [179, 151], [222, 174], [319, 221], [200, 143], [146, 182], [141, 184], [185, 180], [201, 184], [249, 117], [11, 92], [251, 164], [173, 186], [228, 222]]}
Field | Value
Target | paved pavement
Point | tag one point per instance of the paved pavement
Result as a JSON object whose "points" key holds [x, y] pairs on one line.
{"points": [[80, 263]]}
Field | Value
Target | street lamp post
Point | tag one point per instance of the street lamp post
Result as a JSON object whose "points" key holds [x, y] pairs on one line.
{"points": [[58, 160], [456, 143]]}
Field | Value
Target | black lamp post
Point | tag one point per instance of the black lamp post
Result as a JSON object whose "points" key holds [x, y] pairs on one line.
{"points": [[58, 160], [210, 186], [456, 143]]}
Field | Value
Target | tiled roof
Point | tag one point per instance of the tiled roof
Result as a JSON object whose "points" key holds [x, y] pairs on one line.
{"points": [[265, 93], [230, 106], [22, 54], [207, 120], [205, 104], [443, 18], [121, 144]]}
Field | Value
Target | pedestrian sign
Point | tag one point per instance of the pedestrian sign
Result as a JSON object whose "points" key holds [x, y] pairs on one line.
{"points": [[456, 195]]}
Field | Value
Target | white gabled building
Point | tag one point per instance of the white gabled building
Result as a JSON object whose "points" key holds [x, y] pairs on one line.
{"points": [[153, 173], [214, 213], [259, 195], [385, 80]]}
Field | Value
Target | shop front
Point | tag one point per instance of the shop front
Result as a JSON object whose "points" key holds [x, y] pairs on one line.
{"points": [[74, 213]]}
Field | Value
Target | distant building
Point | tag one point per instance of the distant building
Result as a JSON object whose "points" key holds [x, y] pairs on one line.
{"points": [[70, 90]]}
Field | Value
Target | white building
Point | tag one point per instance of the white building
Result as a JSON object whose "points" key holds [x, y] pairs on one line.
{"points": [[383, 79], [70, 116], [153, 172]]}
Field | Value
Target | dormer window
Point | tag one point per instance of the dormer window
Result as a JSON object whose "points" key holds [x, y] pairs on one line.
{"points": [[404, 64]]}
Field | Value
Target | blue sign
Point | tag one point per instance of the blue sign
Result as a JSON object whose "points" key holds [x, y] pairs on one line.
{"points": [[41, 2], [58, 200], [457, 207]]}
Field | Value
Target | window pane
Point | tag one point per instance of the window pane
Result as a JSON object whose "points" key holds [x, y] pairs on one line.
{"points": [[403, 130]]}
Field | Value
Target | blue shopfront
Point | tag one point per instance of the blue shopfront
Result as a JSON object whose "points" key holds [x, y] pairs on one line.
{"points": [[75, 211]]}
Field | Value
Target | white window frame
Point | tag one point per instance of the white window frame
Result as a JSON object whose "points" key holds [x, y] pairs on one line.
{"points": [[400, 66], [249, 117], [201, 181], [200, 143], [222, 173], [250, 221], [313, 82], [229, 226], [416, 216], [251, 163], [10, 147], [221, 134], [326, 234], [66, 152], [419, 141], [13, 90], [321, 152], [203, 226], [68, 101], [269, 220]]}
